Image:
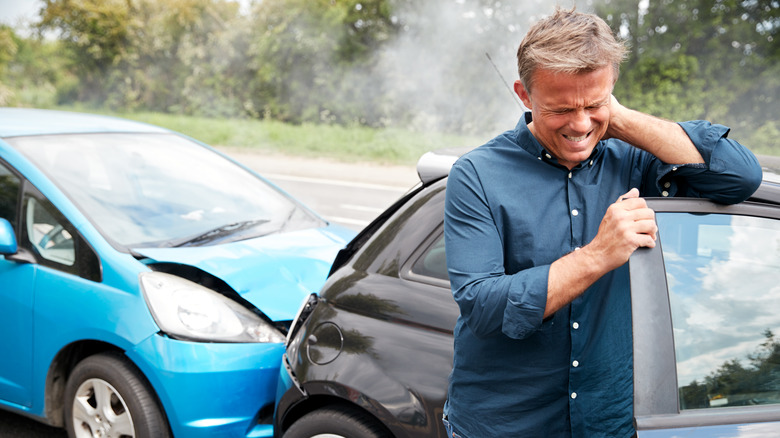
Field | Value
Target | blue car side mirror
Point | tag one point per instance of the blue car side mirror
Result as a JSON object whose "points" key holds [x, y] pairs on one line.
{"points": [[7, 238]]}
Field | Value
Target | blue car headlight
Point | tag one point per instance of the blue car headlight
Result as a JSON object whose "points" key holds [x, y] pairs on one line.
{"points": [[190, 311]]}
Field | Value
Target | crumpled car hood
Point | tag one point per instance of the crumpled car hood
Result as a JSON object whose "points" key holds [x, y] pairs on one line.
{"points": [[274, 272]]}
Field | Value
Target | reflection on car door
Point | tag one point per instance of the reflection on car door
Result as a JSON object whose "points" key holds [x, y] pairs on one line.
{"points": [[722, 275]]}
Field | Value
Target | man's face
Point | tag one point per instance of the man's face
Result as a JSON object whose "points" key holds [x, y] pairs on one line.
{"points": [[570, 111]]}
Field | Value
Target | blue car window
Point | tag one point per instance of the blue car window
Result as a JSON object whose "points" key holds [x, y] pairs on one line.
{"points": [[162, 190], [53, 240], [722, 275], [9, 195], [47, 233]]}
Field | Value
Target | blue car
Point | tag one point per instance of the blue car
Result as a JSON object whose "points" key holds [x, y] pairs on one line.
{"points": [[147, 282]]}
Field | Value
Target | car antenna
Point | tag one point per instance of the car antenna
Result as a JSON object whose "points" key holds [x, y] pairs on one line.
{"points": [[506, 84]]}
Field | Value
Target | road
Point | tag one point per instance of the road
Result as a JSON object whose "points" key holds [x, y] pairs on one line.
{"points": [[350, 194]]}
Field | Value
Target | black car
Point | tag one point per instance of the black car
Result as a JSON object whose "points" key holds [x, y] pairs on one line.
{"points": [[370, 356]]}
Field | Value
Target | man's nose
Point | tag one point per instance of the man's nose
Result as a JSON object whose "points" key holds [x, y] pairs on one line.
{"points": [[580, 121]]}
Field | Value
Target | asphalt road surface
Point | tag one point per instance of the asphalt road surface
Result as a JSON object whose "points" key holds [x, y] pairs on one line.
{"points": [[17, 426], [350, 194]]}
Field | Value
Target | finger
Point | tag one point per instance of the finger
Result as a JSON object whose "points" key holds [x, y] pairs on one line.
{"points": [[646, 227], [641, 212], [633, 193], [638, 205], [646, 241]]}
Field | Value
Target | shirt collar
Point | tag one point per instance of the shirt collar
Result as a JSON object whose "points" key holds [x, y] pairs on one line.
{"points": [[526, 140]]}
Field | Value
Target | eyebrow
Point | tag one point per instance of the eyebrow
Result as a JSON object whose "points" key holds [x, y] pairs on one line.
{"points": [[592, 104], [601, 102]]}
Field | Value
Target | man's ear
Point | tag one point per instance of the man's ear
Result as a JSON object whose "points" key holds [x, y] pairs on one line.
{"points": [[523, 94]]}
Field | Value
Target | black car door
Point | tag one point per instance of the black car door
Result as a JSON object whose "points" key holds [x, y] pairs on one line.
{"points": [[706, 322]]}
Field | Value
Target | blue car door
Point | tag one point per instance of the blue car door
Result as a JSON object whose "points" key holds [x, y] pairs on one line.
{"points": [[16, 301]]}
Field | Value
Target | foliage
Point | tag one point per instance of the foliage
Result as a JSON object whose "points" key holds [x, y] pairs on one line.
{"points": [[32, 71], [385, 63], [8, 50], [739, 382], [166, 55], [344, 143], [313, 58], [702, 59]]}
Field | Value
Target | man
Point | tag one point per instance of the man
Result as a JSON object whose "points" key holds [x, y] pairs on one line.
{"points": [[539, 224]]}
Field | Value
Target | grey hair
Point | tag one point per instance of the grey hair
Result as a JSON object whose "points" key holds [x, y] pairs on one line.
{"points": [[569, 42]]}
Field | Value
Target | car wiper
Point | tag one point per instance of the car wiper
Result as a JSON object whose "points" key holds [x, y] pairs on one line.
{"points": [[216, 233]]}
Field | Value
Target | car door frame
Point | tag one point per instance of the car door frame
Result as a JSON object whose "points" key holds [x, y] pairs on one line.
{"points": [[16, 313], [656, 401]]}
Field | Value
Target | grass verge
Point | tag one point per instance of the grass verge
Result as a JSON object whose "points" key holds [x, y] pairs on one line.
{"points": [[349, 144]]}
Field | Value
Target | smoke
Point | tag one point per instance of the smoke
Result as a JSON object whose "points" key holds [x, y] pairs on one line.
{"points": [[453, 67], [437, 75]]}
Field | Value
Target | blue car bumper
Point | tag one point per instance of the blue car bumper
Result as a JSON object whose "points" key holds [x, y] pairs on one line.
{"points": [[212, 389]]}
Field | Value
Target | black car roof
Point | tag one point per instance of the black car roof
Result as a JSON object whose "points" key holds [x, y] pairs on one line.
{"points": [[436, 165]]}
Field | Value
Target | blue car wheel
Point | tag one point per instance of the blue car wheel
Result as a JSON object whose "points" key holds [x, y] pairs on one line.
{"points": [[107, 396]]}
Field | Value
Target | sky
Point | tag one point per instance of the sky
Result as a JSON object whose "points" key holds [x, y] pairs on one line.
{"points": [[13, 12]]}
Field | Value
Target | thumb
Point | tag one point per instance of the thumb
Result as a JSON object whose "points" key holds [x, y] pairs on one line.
{"points": [[633, 193]]}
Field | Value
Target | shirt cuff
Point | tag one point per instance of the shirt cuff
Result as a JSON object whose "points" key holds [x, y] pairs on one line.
{"points": [[526, 302], [706, 137]]}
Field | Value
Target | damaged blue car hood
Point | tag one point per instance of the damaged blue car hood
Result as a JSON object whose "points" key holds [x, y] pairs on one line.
{"points": [[273, 272]]}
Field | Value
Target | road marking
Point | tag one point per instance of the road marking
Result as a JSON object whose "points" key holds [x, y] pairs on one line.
{"points": [[361, 208], [335, 182], [348, 221]]}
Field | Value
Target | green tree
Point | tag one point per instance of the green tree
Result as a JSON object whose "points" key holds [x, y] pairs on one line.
{"points": [[8, 49], [96, 34], [169, 55], [187, 57], [32, 70], [311, 58], [755, 380], [690, 59]]}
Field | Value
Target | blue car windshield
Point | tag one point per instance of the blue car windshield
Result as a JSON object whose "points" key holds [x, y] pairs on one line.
{"points": [[161, 190]]}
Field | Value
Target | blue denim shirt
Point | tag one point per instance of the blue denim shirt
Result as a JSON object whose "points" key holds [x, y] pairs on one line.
{"points": [[511, 210]]}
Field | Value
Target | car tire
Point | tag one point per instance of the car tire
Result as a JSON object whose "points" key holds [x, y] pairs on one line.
{"points": [[106, 395], [335, 423]]}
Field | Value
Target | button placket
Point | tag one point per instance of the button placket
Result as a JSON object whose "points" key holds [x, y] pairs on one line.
{"points": [[574, 364], [574, 198]]}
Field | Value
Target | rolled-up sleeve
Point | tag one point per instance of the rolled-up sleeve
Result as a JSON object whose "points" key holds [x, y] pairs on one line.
{"points": [[730, 172], [489, 299]]}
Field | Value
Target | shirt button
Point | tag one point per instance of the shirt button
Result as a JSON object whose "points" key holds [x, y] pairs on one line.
{"points": [[674, 169], [569, 175], [549, 157], [575, 212], [575, 325], [575, 364], [667, 184], [591, 162], [573, 395], [665, 193]]}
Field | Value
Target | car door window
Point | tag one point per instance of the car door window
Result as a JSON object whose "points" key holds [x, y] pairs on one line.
{"points": [[722, 274], [9, 195], [54, 240], [432, 262], [47, 233]]}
